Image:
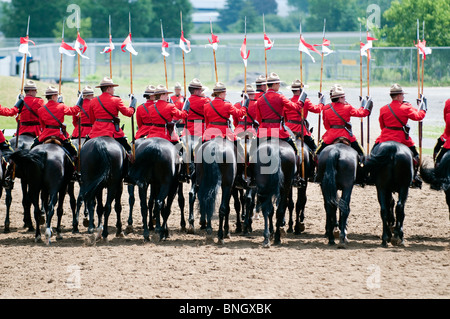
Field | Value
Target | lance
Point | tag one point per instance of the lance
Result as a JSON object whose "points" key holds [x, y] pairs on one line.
{"points": [[185, 97], [368, 90], [110, 52], [321, 72], [302, 112], [165, 66], [21, 93], [214, 51], [361, 82], [79, 92], [419, 93], [265, 51], [133, 150], [245, 92]]}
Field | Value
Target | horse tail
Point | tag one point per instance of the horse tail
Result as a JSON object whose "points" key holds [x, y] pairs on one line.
{"points": [[209, 186], [272, 185], [329, 187], [437, 177], [30, 163], [105, 171]]}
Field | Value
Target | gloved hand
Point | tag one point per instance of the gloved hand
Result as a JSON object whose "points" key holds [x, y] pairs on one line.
{"points": [[422, 103], [60, 99], [80, 101], [369, 104], [246, 100], [19, 104], [133, 102], [302, 97], [321, 98]]}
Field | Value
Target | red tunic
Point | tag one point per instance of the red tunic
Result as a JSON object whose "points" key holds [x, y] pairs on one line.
{"points": [[29, 122], [239, 122], [216, 125], [293, 118], [143, 119], [346, 111], [178, 101], [269, 121], [195, 118], [444, 137], [170, 112], [49, 125], [86, 124], [404, 112], [2, 137], [114, 105]]}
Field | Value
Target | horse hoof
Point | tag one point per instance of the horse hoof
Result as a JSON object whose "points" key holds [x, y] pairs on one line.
{"points": [[302, 227], [342, 244], [191, 230], [266, 244], [6, 230], [38, 239], [59, 236], [397, 242], [146, 239], [220, 241], [129, 229], [120, 234], [85, 222], [336, 233]]}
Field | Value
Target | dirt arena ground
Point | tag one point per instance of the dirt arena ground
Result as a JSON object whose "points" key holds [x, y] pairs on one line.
{"points": [[186, 266]]}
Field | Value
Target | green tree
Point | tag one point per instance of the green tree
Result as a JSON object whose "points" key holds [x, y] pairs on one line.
{"points": [[70, 34], [230, 13], [266, 7], [43, 17], [400, 28], [300, 5], [169, 13], [254, 21], [340, 15]]}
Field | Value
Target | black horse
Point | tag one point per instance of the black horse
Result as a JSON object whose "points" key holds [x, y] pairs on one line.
{"points": [[390, 166], [216, 168], [48, 170], [102, 167], [305, 171], [439, 177], [337, 171], [157, 166], [25, 142], [273, 169]]}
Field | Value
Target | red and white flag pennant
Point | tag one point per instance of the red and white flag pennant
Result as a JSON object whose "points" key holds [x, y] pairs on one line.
{"points": [[128, 45], [81, 47], [164, 45], [185, 44], [110, 47], [365, 48], [244, 53], [268, 44], [325, 44], [213, 43], [23, 47], [65, 49], [423, 49], [305, 47]]}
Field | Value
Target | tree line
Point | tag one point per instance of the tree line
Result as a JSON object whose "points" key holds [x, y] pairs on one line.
{"points": [[393, 22]]}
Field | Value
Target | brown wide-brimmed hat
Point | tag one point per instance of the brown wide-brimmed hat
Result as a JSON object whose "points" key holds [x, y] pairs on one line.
{"points": [[337, 91], [161, 89], [87, 90], [106, 82], [150, 90], [177, 86], [273, 78], [250, 89], [30, 85], [51, 90], [261, 80], [196, 84], [396, 89], [219, 87], [296, 85]]}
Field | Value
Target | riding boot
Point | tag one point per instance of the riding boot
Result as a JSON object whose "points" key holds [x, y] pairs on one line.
{"points": [[126, 164], [417, 181], [298, 181]]}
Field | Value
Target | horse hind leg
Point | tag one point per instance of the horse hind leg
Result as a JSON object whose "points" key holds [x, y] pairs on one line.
{"points": [[118, 210], [131, 201], [400, 216], [8, 202], [300, 211]]}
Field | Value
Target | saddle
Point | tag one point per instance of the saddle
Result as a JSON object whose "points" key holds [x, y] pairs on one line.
{"points": [[342, 140], [53, 140]]}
